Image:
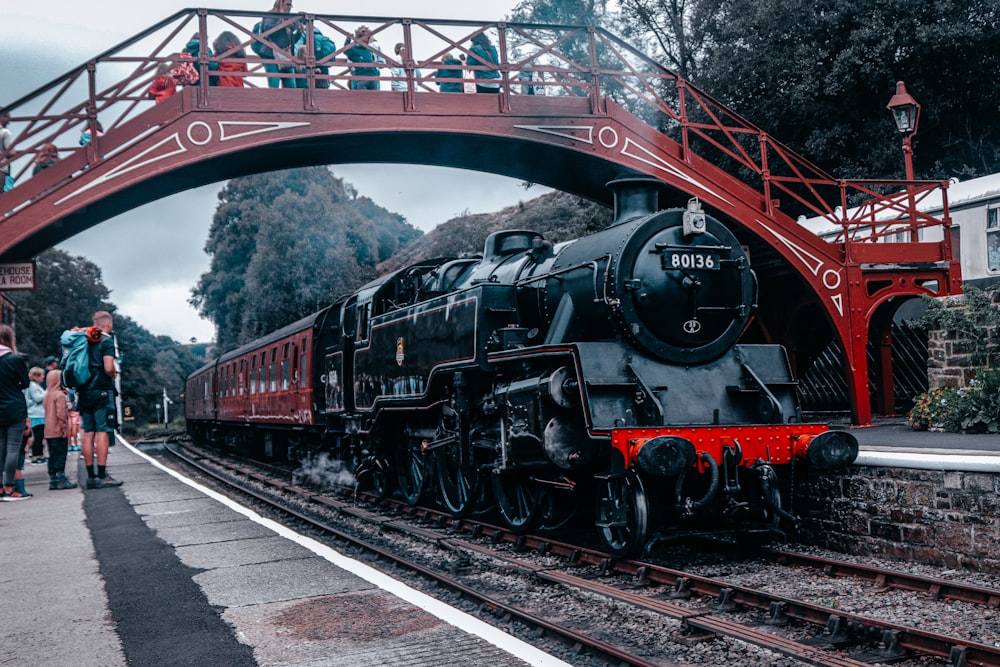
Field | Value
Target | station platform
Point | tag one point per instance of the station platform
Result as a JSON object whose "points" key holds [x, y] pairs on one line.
{"points": [[161, 571]]}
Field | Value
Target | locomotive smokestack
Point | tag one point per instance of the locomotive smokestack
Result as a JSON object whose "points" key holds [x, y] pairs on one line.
{"points": [[635, 197]]}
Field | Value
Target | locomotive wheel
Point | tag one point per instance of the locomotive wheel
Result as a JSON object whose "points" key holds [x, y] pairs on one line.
{"points": [[622, 515], [457, 481], [519, 499], [411, 473]]}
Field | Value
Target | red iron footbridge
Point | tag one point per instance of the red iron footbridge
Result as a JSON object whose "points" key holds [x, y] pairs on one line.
{"points": [[577, 107]]}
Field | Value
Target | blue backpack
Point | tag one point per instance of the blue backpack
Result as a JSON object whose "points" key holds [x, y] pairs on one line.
{"points": [[323, 45], [75, 362]]}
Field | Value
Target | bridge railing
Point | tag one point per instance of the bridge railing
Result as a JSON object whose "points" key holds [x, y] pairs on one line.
{"points": [[533, 59]]}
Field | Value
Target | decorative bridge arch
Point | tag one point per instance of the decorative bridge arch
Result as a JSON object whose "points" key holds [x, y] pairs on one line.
{"points": [[577, 107]]}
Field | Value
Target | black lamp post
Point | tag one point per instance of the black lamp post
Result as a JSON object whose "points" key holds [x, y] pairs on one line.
{"points": [[906, 114]]}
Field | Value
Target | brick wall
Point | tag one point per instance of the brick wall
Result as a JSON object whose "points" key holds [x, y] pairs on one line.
{"points": [[949, 519]]}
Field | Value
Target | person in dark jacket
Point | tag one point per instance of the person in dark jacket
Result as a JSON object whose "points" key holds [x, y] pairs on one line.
{"points": [[359, 52], [450, 75], [284, 39], [485, 56], [13, 414]]}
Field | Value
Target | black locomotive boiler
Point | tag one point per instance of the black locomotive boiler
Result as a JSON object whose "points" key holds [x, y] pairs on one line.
{"points": [[604, 373]]}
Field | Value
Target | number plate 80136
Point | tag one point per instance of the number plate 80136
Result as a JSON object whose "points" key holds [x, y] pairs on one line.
{"points": [[704, 261]]}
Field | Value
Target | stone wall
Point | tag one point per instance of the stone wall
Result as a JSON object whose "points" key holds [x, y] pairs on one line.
{"points": [[949, 352], [949, 519], [948, 360]]}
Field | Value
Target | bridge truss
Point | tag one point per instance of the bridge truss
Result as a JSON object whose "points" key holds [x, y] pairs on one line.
{"points": [[577, 107]]}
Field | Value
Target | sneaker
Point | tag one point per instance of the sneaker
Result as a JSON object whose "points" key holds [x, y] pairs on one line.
{"points": [[92, 483], [13, 497], [104, 482]]}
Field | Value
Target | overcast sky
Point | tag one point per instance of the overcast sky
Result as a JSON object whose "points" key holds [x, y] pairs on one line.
{"points": [[152, 256]]}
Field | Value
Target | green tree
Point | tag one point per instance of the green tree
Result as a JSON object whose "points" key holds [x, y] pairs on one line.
{"points": [[284, 244], [68, 290], [818, 75]]}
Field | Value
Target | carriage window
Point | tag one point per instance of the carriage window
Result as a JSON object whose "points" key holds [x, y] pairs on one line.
{"points": [[286, 373], [260, 379], [272, 374], [993, 238], [253, 376]]}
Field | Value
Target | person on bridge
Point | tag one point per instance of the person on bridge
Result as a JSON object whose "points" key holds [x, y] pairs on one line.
{"points": [[231, 73], [6, 140], [485, 56], [193, 49], [284, 39], [96, 404], [13, 413], [360, 52], [57, 431], [399, 82], [47, 156], [163, 85], [450, 75]]}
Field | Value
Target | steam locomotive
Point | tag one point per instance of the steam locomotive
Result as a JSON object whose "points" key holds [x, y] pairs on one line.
{"points": [[540, 379]]}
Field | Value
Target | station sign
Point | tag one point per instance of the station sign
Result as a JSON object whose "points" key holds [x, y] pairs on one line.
{"points": [[17, 275]]}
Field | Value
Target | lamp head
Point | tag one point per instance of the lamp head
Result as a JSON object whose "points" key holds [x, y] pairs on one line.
{"points": [[905, 110]]}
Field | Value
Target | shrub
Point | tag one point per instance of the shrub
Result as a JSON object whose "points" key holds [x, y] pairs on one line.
{"points": [[972, 409]]}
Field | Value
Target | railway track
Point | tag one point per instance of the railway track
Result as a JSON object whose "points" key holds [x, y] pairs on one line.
{"points": [[697, 607]]}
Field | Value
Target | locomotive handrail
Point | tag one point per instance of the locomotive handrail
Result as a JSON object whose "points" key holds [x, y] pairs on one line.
{"points": [[552, 60]]}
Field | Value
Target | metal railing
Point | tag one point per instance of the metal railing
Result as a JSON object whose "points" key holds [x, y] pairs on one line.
{"points": [[550, 60]]}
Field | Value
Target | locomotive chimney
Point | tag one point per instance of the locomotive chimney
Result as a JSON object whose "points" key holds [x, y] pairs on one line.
{"points": [[635, 197]]}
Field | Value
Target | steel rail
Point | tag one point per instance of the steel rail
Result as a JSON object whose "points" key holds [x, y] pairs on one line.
{"points": [[905, 581]]}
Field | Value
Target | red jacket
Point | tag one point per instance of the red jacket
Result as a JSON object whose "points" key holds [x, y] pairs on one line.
{"points": [[231, 81], [162, 88]]}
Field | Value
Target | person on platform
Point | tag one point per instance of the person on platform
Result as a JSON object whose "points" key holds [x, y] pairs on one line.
{"points": [[51, 364], [485, 56], [74, 421], [34, 398], [95, 402], [450, 75], [13, 415], [57, 431]]}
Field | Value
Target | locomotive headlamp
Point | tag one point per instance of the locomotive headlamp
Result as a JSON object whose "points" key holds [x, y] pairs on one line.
{"points": [[693, 221], [833, 449]]}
